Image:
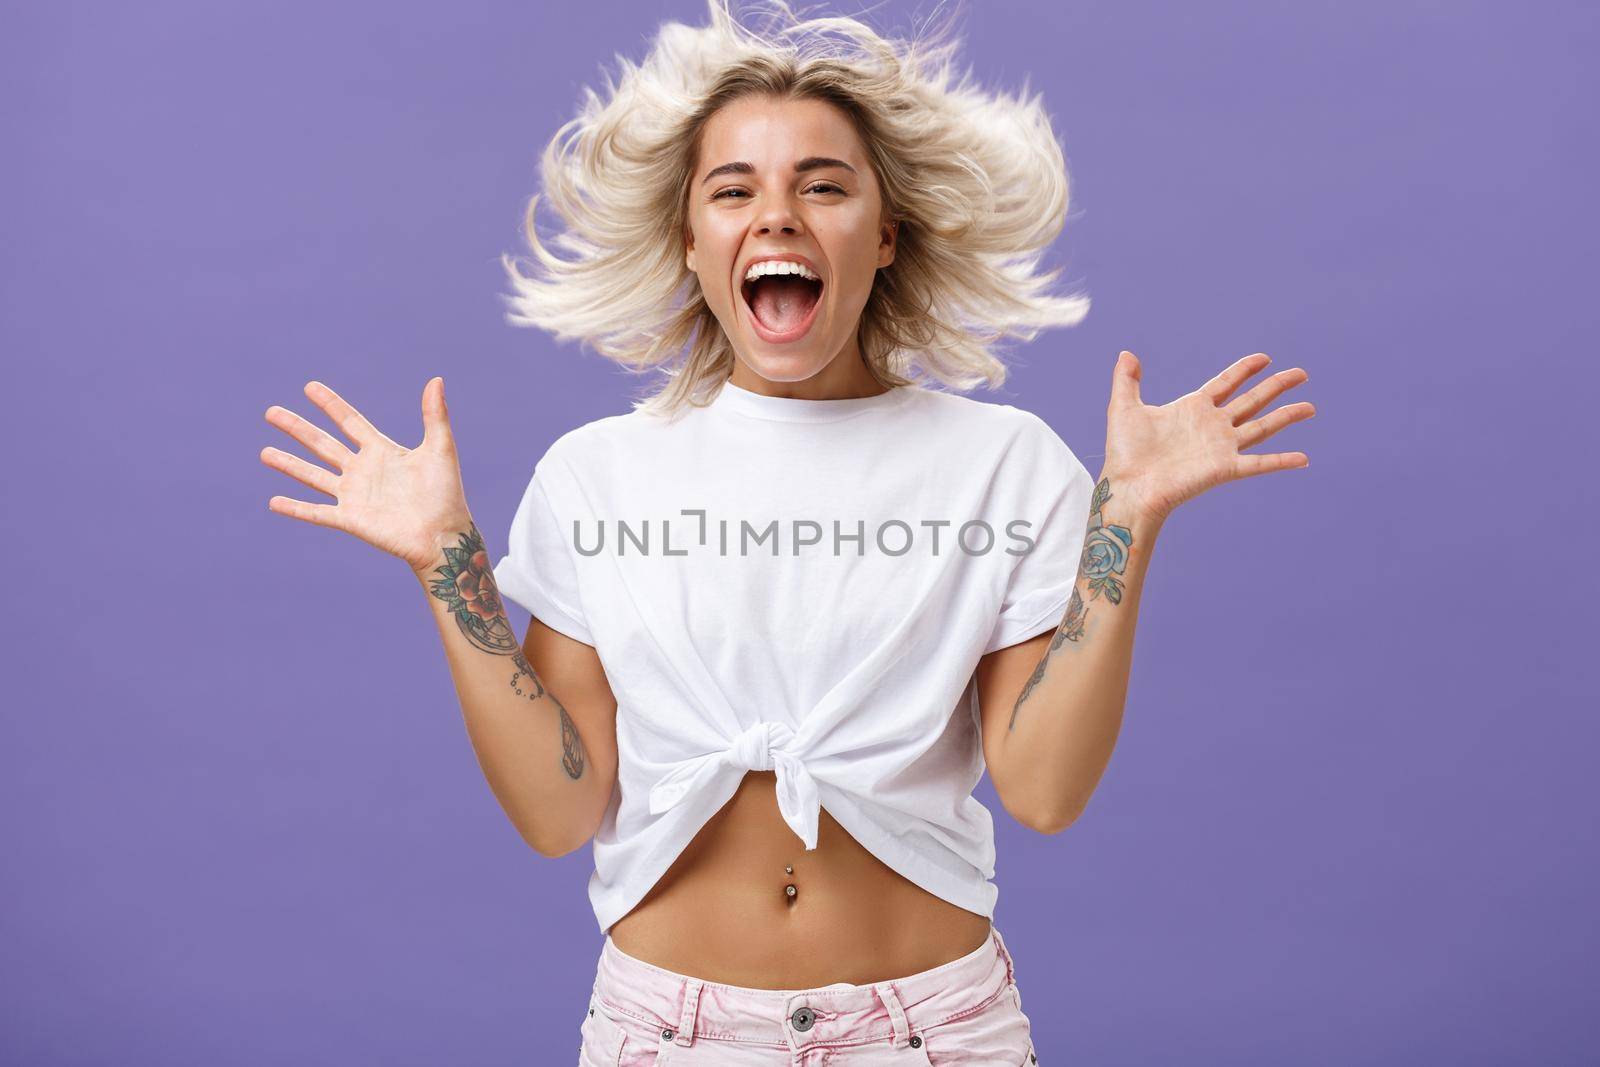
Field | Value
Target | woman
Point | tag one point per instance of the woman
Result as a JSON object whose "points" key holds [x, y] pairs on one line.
{"points": [[752, 677]]}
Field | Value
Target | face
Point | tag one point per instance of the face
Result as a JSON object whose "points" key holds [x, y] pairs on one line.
{"points": [[749, 202]]}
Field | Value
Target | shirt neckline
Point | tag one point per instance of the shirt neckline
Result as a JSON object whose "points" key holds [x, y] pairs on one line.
{"points": [[732, 398]]}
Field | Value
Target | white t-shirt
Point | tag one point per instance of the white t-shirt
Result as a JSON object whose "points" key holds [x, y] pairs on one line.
{"points": [[803, 586]]}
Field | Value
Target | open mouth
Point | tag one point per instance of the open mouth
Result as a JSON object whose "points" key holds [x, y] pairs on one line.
{"points": [[782, 306]]}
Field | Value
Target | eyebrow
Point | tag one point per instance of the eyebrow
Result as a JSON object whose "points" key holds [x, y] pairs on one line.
{"points": [[808, 163]]}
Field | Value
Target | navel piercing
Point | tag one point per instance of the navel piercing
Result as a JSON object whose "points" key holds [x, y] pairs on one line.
{"points": [[791, 890], [788, 870]]}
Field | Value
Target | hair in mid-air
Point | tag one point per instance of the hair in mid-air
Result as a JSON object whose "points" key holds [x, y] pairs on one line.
{"points": [[975, 180]]}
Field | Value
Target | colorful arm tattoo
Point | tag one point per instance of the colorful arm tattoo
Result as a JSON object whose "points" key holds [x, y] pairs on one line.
{"points": [[466, 584], [1105, 557]]}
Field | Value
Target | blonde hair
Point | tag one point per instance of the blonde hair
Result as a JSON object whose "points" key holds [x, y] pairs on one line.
{"points": [[976, 182]]}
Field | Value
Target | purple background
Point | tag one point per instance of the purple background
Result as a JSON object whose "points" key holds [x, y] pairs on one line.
{"points": [[1350, 819]]}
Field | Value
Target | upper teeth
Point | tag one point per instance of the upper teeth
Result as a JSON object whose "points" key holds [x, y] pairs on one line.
{"points": [[779, 266]]}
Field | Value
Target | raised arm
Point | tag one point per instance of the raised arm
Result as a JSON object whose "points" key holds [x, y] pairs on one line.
{"points": [[1051, 707], [550, 761]]}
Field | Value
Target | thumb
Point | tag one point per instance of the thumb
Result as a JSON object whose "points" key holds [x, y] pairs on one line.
{"points": [[1125, 377], [435, 415]]}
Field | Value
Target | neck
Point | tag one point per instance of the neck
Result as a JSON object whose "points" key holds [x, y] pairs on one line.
{"points": [[845, 377]]}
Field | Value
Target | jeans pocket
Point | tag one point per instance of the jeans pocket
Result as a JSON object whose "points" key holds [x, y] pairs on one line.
{"points": [[996, 1033], [623, 1040], [1033, 1055], [603, 1039]]}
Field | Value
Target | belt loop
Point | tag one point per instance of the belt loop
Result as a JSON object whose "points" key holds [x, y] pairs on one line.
{"points": [[897, 1012], [1005, 954], [691, 1005]]}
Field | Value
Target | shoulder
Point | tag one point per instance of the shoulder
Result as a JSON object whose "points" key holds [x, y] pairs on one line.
{"points": [[1025, 446], [600, 440], [1007, 422]]}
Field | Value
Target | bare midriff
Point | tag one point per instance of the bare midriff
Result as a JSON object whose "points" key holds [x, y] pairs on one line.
{"points": [[723, 911]]}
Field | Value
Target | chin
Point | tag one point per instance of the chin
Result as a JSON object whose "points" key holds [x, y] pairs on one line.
{"points": [[784, 366]]}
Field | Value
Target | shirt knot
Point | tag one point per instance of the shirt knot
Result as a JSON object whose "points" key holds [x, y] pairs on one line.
{"points": [[752, 749], [761, 747]]}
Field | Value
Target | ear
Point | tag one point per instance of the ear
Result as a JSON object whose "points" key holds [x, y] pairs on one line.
{"points": [[688, 253], [886, 242]]}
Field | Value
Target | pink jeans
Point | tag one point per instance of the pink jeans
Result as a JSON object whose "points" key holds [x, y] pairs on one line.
{"points": [[967, 1011]]}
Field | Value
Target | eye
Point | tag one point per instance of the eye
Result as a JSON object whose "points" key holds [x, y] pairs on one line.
{"points": [[819, 187]]}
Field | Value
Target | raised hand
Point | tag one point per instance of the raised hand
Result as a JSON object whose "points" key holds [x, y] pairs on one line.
{"points": [[1166, 455], [407, 502]]}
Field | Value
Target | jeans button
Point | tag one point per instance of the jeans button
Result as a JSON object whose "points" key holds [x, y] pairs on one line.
{"points": [[916, 1041], [803, 1018]]}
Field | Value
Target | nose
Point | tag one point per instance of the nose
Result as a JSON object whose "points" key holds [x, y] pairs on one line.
{"points": [[778, 214]]}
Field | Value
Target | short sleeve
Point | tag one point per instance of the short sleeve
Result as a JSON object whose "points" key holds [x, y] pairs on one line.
{"points": [[538, 571], [1057, 491]]}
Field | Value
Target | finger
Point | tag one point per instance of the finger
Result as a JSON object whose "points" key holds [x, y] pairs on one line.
{"points": [[1252, 464], [435, 415], [1219, 388], [323, 481], [1125, 377], [1243, 407], [351, 422], [1254, 432], [316, 514], [321, 443]]}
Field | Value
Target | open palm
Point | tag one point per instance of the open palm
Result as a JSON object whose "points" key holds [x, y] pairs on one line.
{"points": [[1172, 453], [397, 499]]}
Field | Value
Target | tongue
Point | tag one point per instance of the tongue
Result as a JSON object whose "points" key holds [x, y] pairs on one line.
{"points": [[782, 302]]}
